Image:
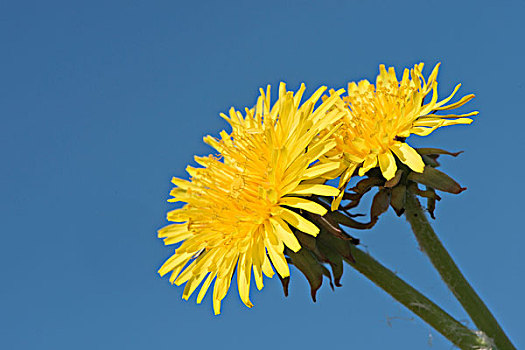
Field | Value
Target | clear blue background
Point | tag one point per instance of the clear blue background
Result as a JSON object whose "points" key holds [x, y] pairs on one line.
{"points": [[102, 102]]}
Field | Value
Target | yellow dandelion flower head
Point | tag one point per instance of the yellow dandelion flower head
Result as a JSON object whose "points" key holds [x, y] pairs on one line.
{"points": [[240, 204], [381, 117]]}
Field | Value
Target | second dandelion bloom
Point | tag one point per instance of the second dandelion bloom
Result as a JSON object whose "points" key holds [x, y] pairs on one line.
{"points": [[242, 204], [383, 115]]}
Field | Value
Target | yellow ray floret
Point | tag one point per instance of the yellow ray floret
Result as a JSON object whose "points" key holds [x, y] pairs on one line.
{"points": [[241, 205], [381, 117]]}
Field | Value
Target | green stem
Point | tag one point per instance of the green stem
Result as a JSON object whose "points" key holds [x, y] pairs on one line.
{"points": [[450, 273], [416, 302]]}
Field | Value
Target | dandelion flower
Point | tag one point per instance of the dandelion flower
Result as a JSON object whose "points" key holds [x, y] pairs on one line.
{"points": [[381, 118], [241, 205]]}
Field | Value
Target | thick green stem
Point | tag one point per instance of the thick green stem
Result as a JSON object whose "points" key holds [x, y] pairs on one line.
{"points": [[450, 273], [416, 302]]}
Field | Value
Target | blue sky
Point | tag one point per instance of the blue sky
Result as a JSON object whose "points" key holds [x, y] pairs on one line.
{"points": [[103, 102]]}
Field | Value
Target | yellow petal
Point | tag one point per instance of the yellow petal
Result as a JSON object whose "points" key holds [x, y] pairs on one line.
{"points": [[172, 230], [319, 170], [299, 222], [409, 156], [244, 268], [213, 142], [179, 195], [442, 102], [173, 262], [267, 267], [319, 149], [446, 116], [224, 276], [272, 238], [345, 177], [282, 231], [460, 103], [174, 233], [295, 170], [434, 73], [257, 275], [216, 302], [423, 131], [191, 285], [337, 201], [321, 111], [181, 183], [299, 94], [187, 274], [321, 190], [205, 287], [430, 106], [431, 122], [458, 121], [178, 215], [258, 257], [279, 261], [206, 260], [302, 203], [369, 163], [387, 163], [176, 271]]}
